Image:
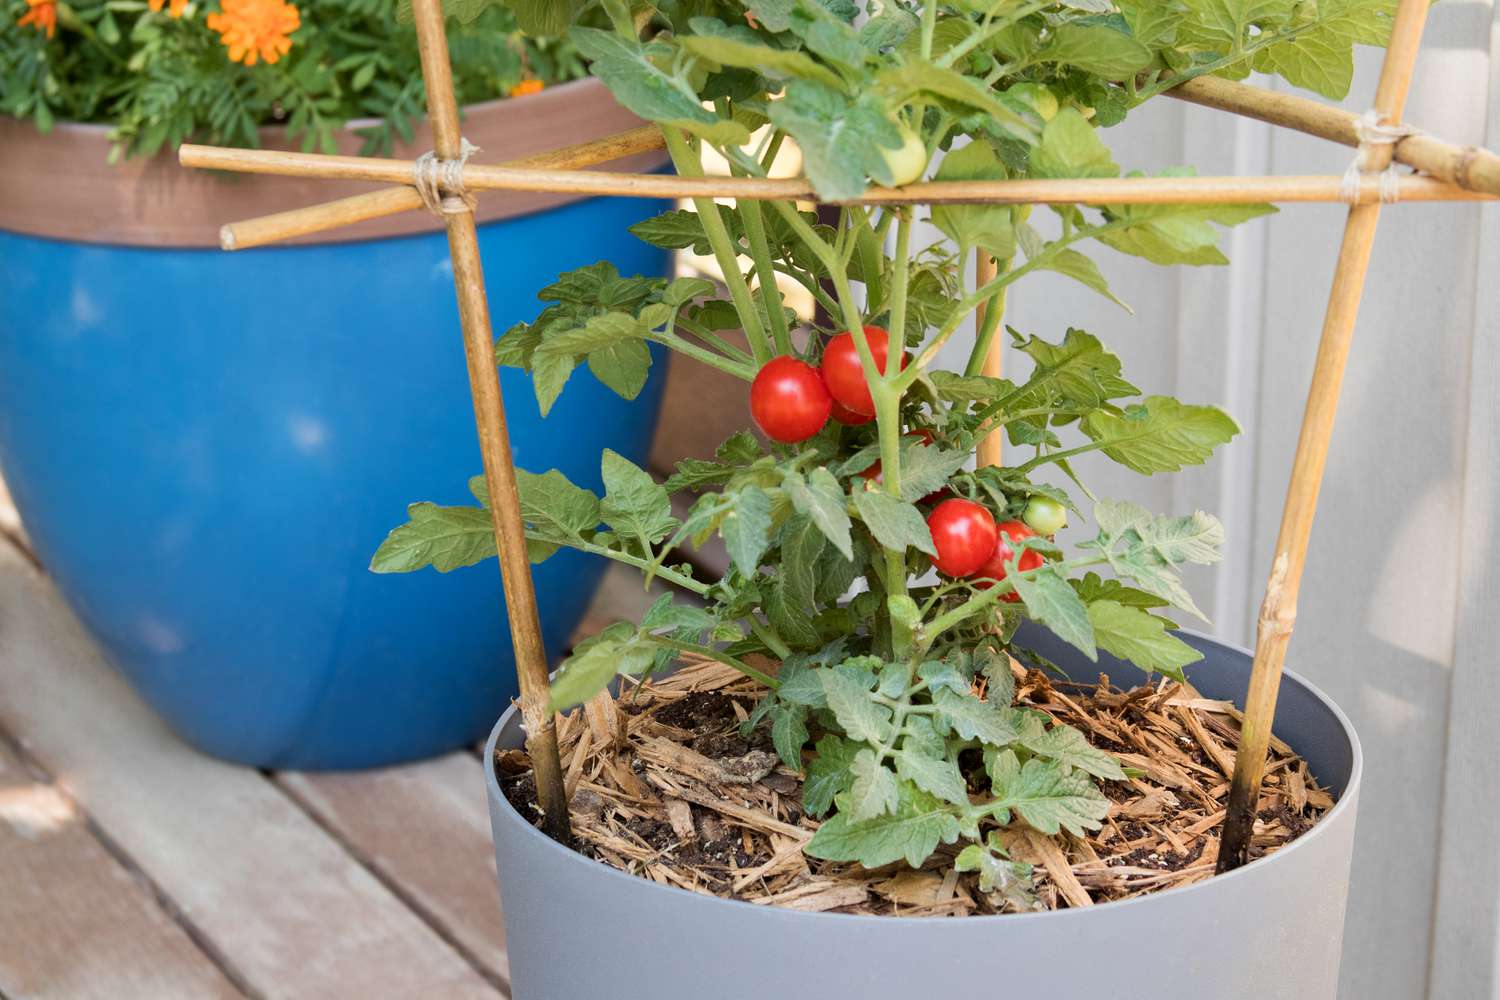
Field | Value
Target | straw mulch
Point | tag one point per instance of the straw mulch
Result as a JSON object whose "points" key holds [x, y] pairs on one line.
{"points": [[663, 786]]}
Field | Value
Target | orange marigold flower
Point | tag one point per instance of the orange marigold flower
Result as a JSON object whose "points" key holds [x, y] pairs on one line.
{"points": [[175, 9], [530, 85], [43, 14], [255, 29]]}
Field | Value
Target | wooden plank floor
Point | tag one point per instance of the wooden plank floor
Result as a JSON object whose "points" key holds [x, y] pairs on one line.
{"points": [[132, 866]]}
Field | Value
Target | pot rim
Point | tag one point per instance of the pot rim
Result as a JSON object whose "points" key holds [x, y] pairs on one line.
{"points": [[1344, 804], [155, 202]]}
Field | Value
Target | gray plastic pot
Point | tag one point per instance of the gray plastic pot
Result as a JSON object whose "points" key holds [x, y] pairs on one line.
{"points": [[577, 928]]}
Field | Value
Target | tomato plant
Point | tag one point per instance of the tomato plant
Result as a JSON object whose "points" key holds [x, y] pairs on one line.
{"points": [[831, 529]]}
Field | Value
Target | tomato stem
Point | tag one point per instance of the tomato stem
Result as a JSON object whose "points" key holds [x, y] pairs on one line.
{"points": [[993, 313], [687, 164], [900, 280], [765, 272]]}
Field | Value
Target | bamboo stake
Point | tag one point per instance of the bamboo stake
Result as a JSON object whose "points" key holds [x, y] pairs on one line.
{"points": [[494, 441], [1278, 611], [1086, 191], [984, 272], [403, 198], [1468, 167]]}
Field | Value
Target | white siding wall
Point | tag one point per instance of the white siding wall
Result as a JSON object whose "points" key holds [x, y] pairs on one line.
{"points": [[1400, 599]]}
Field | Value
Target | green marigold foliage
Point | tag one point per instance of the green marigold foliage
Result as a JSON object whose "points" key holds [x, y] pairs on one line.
{"points": [[161, 80], [894, 694]]}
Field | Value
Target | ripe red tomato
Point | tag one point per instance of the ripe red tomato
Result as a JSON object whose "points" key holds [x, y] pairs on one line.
{"points": [[994, 567], [844, 374], [788, 400], [964, 534], [844, 415]]}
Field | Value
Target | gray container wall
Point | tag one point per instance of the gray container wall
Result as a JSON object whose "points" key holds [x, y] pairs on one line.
{"points": [[576, 928], [1397, 613]]}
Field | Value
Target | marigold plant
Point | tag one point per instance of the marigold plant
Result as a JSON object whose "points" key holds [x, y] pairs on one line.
{"points": [[216, 71]]}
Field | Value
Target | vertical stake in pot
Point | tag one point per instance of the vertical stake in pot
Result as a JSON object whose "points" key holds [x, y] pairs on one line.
{"points": [[1278, 611], [494, 441], [985, 269]]}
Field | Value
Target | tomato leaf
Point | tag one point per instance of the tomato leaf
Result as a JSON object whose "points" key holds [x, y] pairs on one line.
{"points": [[1051, 601], [747, 528], [1069, 746], [1160, 434], [1071, 147], [896, 524], [444, 538], [927, 468], [1046, 794], [861, 718], [639, 85], [841, 138], [985, 226], [820, 497], [873, 792], [828, 774], [932, 774], [912, 831], [1140, 638], [973, 719], [634, 505]]}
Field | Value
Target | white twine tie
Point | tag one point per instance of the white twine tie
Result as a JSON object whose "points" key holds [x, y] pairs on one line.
{"points": [[441, 182], [1373, 132]]}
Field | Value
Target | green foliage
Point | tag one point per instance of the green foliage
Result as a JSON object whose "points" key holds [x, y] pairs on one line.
{"points": [[894, 695], [160, 80]]}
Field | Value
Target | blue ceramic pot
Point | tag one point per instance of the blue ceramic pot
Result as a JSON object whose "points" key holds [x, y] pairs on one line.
{"points": [[207, 448]]}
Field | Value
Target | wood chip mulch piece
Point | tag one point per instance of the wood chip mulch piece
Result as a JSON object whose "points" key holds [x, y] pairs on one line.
{"points": [[663, 786]]}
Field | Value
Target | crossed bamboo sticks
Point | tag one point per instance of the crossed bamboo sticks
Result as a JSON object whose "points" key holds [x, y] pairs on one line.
{"points": [[1448, 172]]}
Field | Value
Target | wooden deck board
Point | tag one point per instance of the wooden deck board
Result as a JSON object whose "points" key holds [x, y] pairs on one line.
{"points": [[288, 907], [75, 923], [425, 830]]}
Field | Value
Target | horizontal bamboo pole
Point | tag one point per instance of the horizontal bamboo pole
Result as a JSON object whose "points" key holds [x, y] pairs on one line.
{"points": [[1088, 191], [403, 198], [1468, 167]]}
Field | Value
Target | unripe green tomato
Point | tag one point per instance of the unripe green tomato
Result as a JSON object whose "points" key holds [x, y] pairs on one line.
{"points": [[1042, 100], [1045, 516], [907, 161]]}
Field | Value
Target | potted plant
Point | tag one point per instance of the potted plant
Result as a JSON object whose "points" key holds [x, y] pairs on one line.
{"points": [[250, 468], [892, 613]]}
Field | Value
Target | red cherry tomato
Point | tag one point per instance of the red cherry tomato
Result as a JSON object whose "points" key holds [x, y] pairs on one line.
{"points": [[788, 400], [964, 534], [844, 374], [844, 415], [994, 567]]}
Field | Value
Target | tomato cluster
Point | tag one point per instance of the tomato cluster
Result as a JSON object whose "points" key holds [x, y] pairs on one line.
{"points": [[791, 400], [970, 544]]}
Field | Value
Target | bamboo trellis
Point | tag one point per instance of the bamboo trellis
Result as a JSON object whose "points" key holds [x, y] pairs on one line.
{"points": [[1447, 172]]}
